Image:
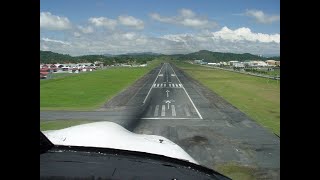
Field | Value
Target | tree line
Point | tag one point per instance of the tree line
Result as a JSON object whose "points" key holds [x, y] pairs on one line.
{"points": [[48, 57]]}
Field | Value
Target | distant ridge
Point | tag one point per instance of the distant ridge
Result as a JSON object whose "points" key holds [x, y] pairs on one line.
{"points": [[208, 56]]}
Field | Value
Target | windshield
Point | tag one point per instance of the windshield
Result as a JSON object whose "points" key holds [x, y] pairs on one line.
{"points": [[195, 81]]}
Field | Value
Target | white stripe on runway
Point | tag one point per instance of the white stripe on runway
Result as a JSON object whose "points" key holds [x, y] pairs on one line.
{"points": [[180, 85], [188, 95], [165, 85], [144, 101], [163, 112], [169, 118], [186, 111], [173, 110], [177, 85], [156, 110], [161, 85], [169, 85], [154, 85], [158, 85]]}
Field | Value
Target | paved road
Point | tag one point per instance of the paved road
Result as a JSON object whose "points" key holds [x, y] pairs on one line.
{"points": [[169, 103]]}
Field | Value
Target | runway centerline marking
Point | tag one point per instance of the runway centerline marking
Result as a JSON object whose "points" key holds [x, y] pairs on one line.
{"points": [[167, 91], [168, 102]]}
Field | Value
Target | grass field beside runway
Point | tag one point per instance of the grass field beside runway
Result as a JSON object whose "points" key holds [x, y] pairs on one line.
{"points": [[61, 124], [236, 171], [88, 91], [258, 97], [60, 75]]}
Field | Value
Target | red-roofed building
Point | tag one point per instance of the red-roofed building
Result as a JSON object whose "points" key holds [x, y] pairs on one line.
{"points": [[43, 75], [44, 70]]}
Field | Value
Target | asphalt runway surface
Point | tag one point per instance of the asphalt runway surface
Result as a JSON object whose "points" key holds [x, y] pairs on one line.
{"points": [[169, 103]]}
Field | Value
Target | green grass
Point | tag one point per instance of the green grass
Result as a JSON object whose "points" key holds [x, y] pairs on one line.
{"points": [[60, 124], [88, 91], [276, 72], [258, 97], [235, 171], [60, 75]]}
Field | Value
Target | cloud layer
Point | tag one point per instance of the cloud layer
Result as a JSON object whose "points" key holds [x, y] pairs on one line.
{"points": [[261, 17], [131, 22], [52, 22], [112, 38], [103, 22], [241, 40], [55, 41], [186, 18]]}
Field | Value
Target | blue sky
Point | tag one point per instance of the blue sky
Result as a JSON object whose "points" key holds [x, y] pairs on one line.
{"points": [[81, 27]]}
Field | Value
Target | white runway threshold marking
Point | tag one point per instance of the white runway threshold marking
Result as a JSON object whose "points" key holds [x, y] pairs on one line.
{"points": [[144, 101], [163, 110], [187, 95], [156, 110], [173, 110], [186, 111], [168, 118]]}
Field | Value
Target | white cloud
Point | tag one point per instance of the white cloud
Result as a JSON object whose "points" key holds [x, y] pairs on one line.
{"points": [[260, 17], [241, 40], [186, 17], [103, 22], [76, 34], [245, 34], [55, 41], [186, 13], [52, 22], [86, 30], [226, 34], [45, 48], [131, 22]]}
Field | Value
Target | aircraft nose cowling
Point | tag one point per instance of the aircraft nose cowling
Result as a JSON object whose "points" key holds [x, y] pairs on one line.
{"points": [[112, 135]]}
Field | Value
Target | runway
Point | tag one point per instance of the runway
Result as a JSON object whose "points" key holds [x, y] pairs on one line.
{"points": [[169, 103]]}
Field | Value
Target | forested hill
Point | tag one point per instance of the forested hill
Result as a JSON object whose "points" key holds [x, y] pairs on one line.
{"points": [[209, 56], [141, 58], [52, 57], [48, 57]]}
